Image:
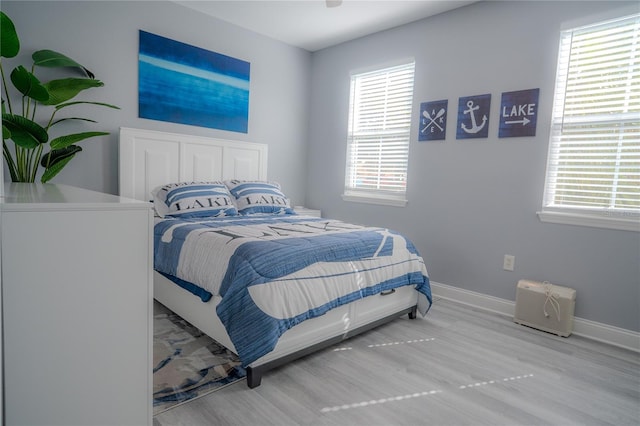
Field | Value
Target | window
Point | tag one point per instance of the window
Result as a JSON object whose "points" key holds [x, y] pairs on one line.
{"points": [[593, 165], [378, 135]]}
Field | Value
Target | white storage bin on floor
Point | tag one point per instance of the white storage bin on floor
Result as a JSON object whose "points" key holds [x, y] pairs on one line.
{"points": [[545, 306]]}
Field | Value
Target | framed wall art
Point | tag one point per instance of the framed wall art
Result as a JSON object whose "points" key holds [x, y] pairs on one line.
{"points": [[473, 117], [433, 120], [185, 84], [519, 113]]}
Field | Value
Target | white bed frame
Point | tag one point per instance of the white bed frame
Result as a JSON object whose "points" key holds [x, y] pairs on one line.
{"points": [[151, 158]]}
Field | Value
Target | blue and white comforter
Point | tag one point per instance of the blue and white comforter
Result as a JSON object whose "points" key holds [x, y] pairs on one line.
{"points": [[272, 272]]}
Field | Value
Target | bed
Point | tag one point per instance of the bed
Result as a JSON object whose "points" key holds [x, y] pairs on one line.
{"points": [[267, 283]]}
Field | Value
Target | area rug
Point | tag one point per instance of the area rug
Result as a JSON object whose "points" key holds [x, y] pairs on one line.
{"points": [[187, 363]]}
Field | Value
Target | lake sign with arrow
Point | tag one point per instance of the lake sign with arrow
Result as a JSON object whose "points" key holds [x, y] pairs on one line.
{"points": [[519, 113]]}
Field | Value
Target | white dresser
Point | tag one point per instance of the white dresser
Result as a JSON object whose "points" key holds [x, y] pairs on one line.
{"points": [[77, 307]]}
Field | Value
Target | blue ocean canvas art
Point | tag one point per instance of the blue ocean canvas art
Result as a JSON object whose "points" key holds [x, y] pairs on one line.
{"points": [[190, 85]]}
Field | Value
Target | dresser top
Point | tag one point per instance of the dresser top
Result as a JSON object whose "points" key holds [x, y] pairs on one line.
{"points": [[38, 196]]}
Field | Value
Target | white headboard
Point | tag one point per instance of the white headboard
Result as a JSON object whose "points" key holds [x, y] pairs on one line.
{"points": [[149, 158]]}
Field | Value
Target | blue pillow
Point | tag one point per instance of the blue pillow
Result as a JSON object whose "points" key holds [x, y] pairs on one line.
{"points": [[193, 199], [255, 197]]}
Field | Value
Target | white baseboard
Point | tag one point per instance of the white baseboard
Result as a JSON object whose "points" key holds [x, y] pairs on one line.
{"points": [[616, 336]]}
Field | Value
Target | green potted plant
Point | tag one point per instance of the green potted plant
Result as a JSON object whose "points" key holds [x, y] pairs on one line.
{"points": [[26, 154]]}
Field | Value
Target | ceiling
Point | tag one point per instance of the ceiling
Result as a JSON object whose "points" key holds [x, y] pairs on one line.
{"points": [[313, 25]]}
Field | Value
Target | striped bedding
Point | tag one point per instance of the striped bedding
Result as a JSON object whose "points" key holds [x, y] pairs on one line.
{"points": [[274, 271]]}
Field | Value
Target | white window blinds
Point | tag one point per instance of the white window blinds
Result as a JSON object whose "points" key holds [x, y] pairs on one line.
{"points": [[378, 132], [594, 151]]}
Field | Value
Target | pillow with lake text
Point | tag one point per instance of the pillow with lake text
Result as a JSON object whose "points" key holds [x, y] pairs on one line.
{"points": [[258, 197], [193, 199]]}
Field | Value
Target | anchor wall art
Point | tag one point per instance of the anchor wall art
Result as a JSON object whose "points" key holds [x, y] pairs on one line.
{"points": [[473, 117], [433, 120], [189, 85]]}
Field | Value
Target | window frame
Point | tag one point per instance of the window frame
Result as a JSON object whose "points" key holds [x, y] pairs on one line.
{"points": [[378, 196], [610, 218]]}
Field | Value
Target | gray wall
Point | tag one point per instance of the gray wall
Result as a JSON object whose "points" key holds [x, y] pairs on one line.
{"points": [[103, 36], [470, 202], [473, 201]]}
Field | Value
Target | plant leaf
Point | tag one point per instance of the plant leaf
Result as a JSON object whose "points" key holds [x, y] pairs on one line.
{"points": [[71, 118], [58, 155], [11, 164], [66, 88], [24, 132], [64, 141], [59, 159], [28, 84], [9, 41], [53, 59], [60, 106], [6, 133]]}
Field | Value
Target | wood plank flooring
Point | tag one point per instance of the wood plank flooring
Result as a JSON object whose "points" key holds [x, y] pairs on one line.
{"points": [[456, 366]]}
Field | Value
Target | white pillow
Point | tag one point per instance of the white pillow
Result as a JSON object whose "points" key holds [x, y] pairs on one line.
{"points": [[193, 199]]}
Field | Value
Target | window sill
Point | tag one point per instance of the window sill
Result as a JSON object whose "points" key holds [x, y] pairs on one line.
{"points": [[606, 220], [372, 199]]}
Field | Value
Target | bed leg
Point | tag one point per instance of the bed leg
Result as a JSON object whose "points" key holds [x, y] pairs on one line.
{"points": [[254, 378], [413, 313]]}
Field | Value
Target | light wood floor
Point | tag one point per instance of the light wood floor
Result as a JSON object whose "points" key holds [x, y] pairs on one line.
{"points": [[456, 366]]}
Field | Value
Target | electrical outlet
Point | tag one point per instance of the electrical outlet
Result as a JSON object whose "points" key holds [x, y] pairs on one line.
{"points": [[509, 262]]}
